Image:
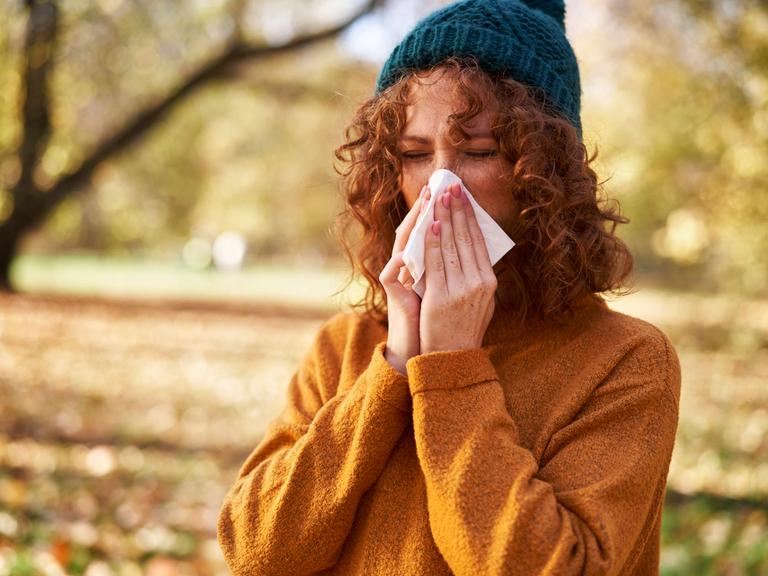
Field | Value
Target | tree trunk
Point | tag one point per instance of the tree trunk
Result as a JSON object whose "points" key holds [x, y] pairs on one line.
{"points": [[9, 240]]}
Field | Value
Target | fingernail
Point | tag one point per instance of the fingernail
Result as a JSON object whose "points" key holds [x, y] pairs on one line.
{"points": [[436, 228], [446, 200], [464, 198], [456, 191]]}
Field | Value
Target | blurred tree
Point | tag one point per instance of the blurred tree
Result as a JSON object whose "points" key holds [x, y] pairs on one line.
{"points": [[689, 153], [46, 168], [678, 100]]}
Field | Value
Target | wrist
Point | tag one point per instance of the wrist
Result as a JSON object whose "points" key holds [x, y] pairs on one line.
{"points": [[397, 362]]}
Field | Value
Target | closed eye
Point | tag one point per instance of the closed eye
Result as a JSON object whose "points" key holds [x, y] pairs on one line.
{"points": [[481, 153], [470, 153], [415, 155]]}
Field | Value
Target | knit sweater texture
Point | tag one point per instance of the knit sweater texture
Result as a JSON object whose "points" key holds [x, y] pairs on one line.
{"points": [[545, 451]]}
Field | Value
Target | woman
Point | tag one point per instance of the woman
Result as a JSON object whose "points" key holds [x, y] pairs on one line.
{"points": [[509, 422]]}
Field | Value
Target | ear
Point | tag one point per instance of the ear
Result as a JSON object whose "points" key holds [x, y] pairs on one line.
{"points": [[553, 8]]}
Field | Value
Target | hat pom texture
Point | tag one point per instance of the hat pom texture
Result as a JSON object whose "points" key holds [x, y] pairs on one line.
{"points": [[524, 41], [551, 8]]}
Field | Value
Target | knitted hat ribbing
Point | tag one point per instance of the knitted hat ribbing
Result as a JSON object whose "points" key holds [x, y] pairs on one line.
{"points": [[519, 39]]}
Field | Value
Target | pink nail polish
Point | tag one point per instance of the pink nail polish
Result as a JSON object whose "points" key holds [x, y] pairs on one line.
{"points": [[456, 191], [464, 198], [436, 228], [446, 200]]}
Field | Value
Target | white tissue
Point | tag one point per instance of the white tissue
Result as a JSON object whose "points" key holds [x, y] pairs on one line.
{"points": [[496, 240]]}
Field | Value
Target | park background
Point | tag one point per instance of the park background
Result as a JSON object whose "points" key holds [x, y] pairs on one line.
{"points": [[166, 200]]}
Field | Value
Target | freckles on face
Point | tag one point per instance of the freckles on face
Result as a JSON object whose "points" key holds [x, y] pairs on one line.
{"points": [[426, 144]]}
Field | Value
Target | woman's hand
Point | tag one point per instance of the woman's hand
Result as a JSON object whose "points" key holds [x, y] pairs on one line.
{"points": [[458, 300], [403, 304]]}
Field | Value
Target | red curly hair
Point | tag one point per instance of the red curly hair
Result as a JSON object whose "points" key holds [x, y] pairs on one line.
{"points": [[564, 252]]}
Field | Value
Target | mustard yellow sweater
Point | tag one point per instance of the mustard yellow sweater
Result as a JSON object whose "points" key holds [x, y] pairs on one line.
{"points": [[546, 451]]}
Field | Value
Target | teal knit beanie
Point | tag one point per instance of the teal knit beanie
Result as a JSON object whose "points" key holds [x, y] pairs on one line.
{"points": [[519, 39]]}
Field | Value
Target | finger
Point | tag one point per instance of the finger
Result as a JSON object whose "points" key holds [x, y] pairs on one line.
{"points": [[403, 231], [461, 234], [389, 276], [425, 199], [434, 269], [478, 240], [454, 276], [404, 277]]}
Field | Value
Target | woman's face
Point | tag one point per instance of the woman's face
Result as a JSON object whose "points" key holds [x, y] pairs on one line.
{"points": [[426, 145]]}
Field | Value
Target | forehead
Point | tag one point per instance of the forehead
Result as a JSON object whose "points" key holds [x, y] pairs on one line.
{"points": [[432, 98]]}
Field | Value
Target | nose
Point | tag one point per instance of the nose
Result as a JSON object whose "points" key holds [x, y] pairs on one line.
{"points": [[446, 160]]}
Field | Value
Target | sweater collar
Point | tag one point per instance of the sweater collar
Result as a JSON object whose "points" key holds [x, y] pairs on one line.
{"points": [[503, 328]]}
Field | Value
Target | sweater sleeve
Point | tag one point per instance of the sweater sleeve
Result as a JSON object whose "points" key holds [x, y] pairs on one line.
{"points": [[590, 501], [296, 496]]}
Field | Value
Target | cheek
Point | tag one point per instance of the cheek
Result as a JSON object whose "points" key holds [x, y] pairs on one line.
{"points": [[485, 186], [493, 195], [411, 181]]}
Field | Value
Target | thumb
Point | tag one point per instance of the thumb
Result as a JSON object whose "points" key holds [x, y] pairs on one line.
{"points": [[389, 276]]}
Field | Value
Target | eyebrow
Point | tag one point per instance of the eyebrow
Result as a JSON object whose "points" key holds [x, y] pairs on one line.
{"points": [[427, 140]]}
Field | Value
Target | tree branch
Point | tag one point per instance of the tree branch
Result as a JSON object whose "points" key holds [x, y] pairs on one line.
{"points": [[237, 52]]}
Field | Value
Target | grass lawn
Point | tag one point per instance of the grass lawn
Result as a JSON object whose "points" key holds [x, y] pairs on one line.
{"points": [[137, 278]]}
